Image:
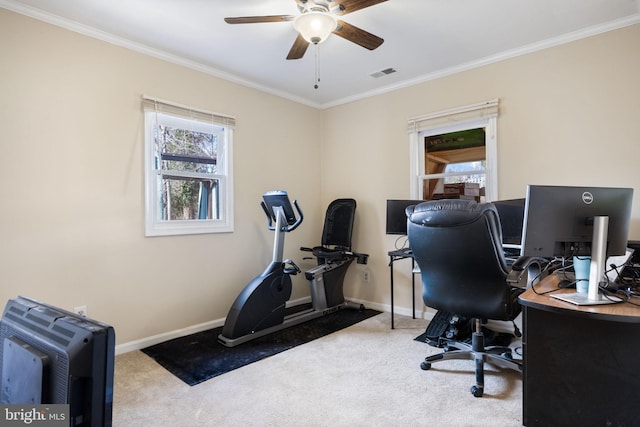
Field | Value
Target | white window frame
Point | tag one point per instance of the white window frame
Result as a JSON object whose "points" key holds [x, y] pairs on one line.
{"points": [[156, 110], [481, 115]]}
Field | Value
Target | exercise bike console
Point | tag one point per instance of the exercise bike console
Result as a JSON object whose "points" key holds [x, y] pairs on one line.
{"points": [[272, 202]]}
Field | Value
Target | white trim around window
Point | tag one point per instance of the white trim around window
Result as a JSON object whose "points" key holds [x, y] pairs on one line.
{"points": [[483, 114], [162, 113]]}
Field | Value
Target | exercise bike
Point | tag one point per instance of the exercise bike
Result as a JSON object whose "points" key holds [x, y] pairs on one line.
{"points": [[261, 307]]}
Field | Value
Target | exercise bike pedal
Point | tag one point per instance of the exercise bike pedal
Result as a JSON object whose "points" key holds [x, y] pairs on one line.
{"points": [[292, 270]]}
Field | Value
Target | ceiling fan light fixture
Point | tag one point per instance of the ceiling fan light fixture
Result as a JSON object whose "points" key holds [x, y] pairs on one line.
{"points": [[315, 27]]}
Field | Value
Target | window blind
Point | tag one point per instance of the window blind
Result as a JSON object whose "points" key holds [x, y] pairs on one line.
{"points": [[443, 118], [167, 107]]}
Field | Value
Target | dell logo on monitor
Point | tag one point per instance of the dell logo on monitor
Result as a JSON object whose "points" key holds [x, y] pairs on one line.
{"points": [[587, 198]]}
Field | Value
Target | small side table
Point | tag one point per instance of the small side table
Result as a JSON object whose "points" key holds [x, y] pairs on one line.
{"points": [[396, 256]]}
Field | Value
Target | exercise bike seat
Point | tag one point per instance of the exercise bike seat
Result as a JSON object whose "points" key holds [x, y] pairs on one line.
{"points": [[328, 254], [336, 234]]}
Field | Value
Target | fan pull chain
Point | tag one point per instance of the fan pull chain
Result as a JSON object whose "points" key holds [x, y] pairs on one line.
{"points": [[317, 76]]}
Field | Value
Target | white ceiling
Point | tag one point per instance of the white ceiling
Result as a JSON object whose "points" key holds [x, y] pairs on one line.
{"points": [[424, 39]]}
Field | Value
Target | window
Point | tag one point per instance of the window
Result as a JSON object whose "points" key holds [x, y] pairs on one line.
{"points": [[187, 170], [454, 165], [454, 153]]}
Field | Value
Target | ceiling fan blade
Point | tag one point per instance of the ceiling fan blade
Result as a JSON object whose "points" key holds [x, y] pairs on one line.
{"points": [[357, 35], [342, 7], [258, 19], [299, 48]]}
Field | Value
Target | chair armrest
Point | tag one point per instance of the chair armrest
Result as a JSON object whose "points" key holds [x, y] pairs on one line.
{"points": [[530, 267]]}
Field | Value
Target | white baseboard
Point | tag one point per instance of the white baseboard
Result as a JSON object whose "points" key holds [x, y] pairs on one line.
{"points": [[178, 333], [157, 339], [421, 312]]}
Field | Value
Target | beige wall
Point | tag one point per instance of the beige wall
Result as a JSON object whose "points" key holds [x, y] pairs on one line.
{"points": [[72, 217], [569, 115], [71, 134]]}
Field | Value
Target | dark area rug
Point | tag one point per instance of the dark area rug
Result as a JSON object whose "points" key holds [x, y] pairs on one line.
{"points": [[199, 357]]}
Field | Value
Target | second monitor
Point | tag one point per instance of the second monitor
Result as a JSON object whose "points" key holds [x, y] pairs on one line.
{"points": [[396, 216]]}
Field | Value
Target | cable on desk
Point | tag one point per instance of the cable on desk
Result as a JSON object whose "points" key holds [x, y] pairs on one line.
{"points": [[609, 295], [405, 243], [624, 289], [608, 290], [624, 295], [562, 273], [630, 283], [549, 268]]}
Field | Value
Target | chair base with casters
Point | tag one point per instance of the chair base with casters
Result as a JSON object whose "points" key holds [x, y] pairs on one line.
{"points": [[495, 355]]}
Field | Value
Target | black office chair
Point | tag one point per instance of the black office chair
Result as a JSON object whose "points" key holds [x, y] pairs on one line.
{"points": [[458, 247]]}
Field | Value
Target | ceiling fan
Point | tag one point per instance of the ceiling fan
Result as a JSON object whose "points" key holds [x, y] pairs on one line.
{"points": [[317, 20]]}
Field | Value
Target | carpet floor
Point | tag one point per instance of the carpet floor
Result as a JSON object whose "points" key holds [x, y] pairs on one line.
{"points": [[361, 376]]}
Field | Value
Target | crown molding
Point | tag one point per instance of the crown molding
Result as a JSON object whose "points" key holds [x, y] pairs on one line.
{"points": [[513, 53], [175, 59], [85, 30]]}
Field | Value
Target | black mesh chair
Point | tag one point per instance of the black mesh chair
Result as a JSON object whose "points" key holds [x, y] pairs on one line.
{"points": [[335, 243], [334, 257], [458, 247]]}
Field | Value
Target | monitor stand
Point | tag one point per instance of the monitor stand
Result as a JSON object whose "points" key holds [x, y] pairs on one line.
{"points": [[596, 272], [583, 299]]}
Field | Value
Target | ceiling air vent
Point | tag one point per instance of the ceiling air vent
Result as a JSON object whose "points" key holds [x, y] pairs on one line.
{"points": [[384, 72]]}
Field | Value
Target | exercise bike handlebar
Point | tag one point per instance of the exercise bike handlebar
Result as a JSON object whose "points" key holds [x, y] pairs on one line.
{"points": [[289, 226]]}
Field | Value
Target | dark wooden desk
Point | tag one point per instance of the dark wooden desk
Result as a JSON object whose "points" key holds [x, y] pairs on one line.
{"points": [[581, 364]]}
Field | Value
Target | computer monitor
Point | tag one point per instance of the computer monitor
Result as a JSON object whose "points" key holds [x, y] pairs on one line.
{"points": [[558, 220], [52, 356], [396, 216], [511, 213], [561, 221]]}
